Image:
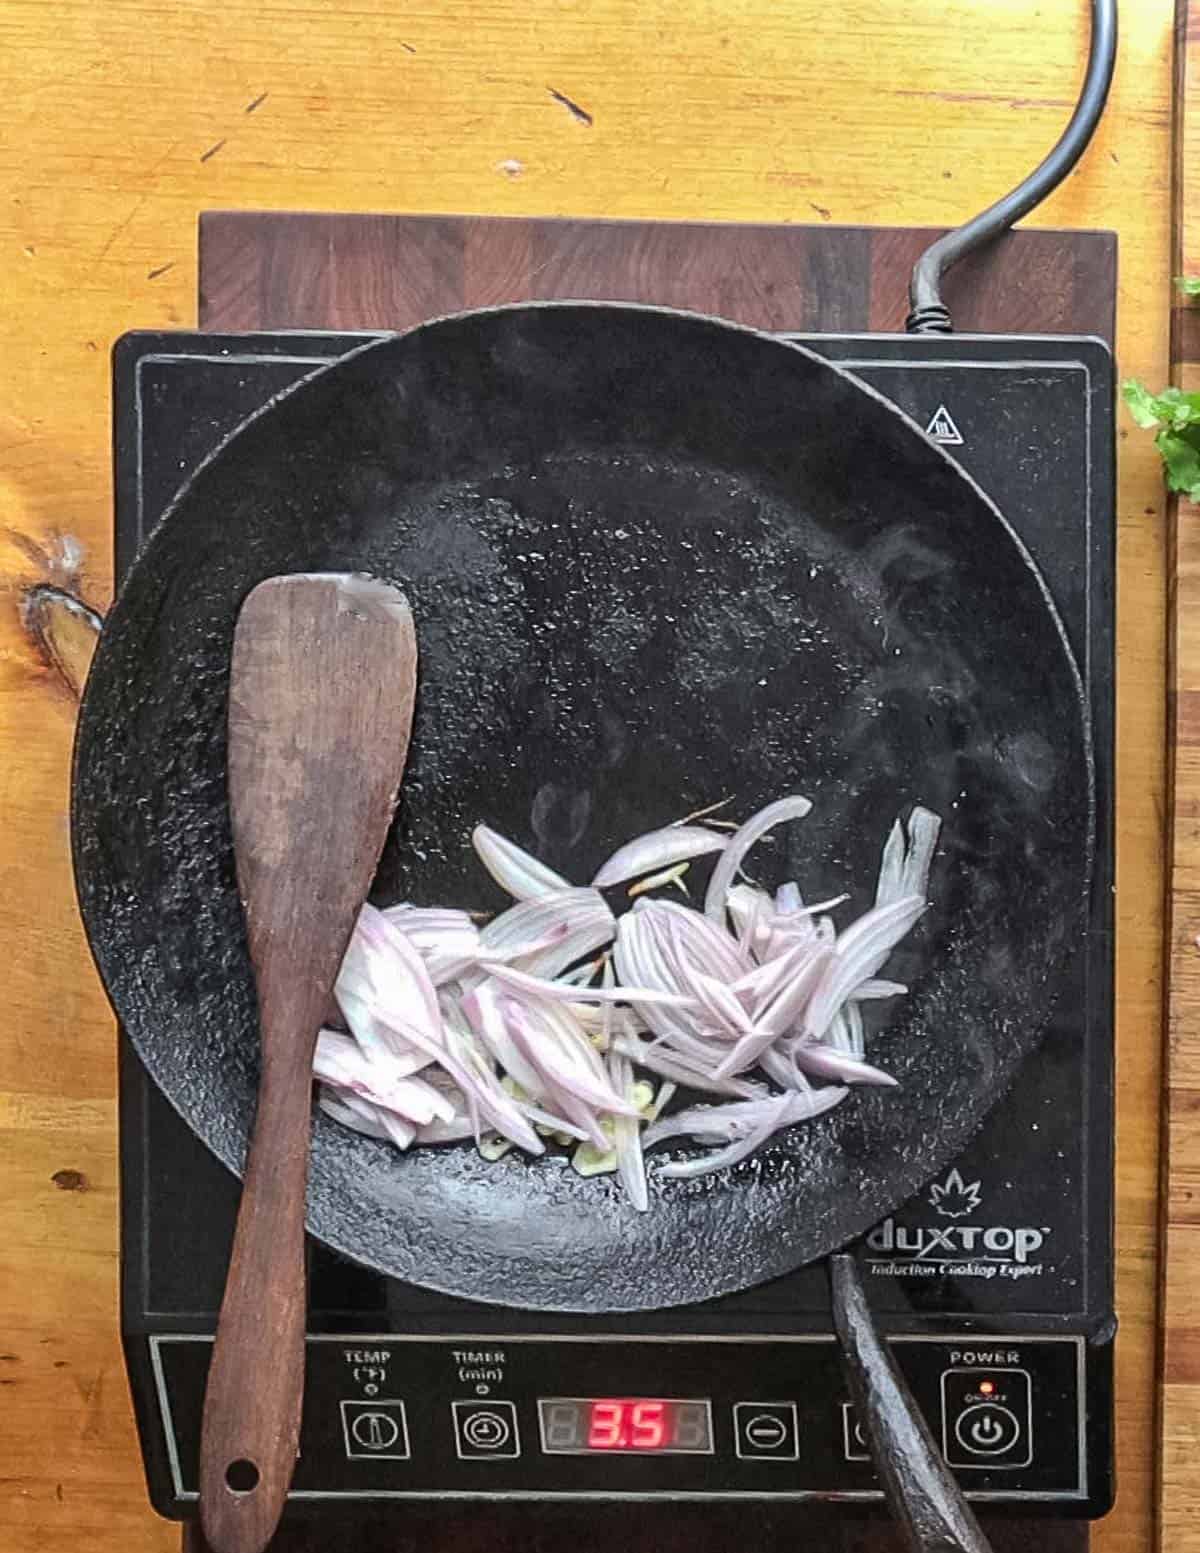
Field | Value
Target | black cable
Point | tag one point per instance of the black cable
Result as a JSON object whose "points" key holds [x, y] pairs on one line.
{"points": [[929, 313]]}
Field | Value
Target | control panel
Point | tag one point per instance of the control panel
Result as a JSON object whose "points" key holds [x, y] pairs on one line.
{"points": [[610, 1417]]}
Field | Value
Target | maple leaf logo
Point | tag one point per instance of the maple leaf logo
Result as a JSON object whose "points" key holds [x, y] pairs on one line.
{"points": [[954, 1197]]}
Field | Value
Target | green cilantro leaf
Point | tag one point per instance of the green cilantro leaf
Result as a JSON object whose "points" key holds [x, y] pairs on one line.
{"points": [[1141, 402], [1181, 460], [1175, 415], [1173, 407], [1189, 285]]}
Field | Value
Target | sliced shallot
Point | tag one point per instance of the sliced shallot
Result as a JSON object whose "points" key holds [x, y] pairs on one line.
{"points": [[627, 1139], [860, 952], [747, 1129], [514, 869], [792, 808], [551, 931], [540, 1021], [559, 994], [656, 850]]}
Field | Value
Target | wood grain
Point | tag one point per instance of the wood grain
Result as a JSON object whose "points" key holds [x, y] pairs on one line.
{"points": [[1179, 1417], [683, 1528], [740, 110], [321, 694], [262, 270]]}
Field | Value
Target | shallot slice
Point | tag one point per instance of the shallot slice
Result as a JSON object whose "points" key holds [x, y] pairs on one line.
{"points": [[889, 887], [437, 1131], [514, 869], [656, 850], [714, 1123], [626, 1130], [751, 912], [551, 931], [670, 1065], [758, 987], [846, 1033], [448, 941], [907, 857], [377, 1039], [876, 990], [723, 875], [555, 990], [372, 1120], [330, 1101], [481, 1088], [401, 996], [608, 978], [785, 1006], [773, 1020], [561, 1053], [803, 925], [924, 827], [778, 1065], [747, 931], [381, 957], [707, 945], [749, 1126], [529, 922], [341, 1061], [427, 926], [485, 1016], [639, 956], [858, 955], [823, 1061], [722, 1005]]}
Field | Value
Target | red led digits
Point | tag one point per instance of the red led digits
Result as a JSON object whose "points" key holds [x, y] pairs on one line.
{"points": [[662, 1426], [604, 1429], [649, 1425], [632, 1424]]}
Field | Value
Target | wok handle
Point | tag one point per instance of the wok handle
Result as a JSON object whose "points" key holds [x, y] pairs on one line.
{"points": [[252, 1406], [920, 1490]]}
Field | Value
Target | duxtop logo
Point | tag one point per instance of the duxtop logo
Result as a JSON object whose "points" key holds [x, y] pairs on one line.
{"points": [[957, 1249], [954, 1198]]}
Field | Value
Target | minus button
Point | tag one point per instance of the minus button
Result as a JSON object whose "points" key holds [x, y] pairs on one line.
{"points": [[766, 1431]]}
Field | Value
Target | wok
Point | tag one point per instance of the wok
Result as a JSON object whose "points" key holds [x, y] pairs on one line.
{"points": [[654, 559]]}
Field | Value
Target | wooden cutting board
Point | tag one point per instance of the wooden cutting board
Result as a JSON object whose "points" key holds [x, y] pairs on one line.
{"points": [[263, 270], [271, 270]]}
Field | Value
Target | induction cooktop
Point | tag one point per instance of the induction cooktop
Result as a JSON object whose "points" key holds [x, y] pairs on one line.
{"points": [[994, 1284]]}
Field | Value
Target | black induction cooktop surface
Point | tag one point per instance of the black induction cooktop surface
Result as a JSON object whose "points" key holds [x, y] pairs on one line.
{"points": [[996, 1276]]}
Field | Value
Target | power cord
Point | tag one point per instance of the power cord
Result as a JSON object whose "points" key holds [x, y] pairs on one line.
{"points": [[929, 314]]}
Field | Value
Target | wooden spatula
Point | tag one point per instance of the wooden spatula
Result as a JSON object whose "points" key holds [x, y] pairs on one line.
{"points": [[320, 709]]}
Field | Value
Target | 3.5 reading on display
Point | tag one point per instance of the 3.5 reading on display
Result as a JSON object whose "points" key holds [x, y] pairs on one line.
{"points": [[664, 1426]]}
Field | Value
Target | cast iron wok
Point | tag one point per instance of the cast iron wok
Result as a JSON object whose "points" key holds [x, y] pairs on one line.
{"points": [[654, 559]]}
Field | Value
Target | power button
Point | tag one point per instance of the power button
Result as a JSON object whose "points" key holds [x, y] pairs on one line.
{"points": [[987, 1418], [987, 1429]]}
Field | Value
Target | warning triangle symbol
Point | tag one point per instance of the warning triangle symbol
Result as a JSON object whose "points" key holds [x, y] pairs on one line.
{"points": [[942, 428]]}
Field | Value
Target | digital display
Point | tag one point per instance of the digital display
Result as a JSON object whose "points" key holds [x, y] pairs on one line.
{"points": [[652, 1426]]}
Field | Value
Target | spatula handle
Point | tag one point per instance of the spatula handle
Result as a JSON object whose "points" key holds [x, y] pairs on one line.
{"points": [[920, 1490], [251, 1428]]}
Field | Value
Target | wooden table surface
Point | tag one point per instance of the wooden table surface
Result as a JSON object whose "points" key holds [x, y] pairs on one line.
{"points": [[118, 123], [1179, 1430]]}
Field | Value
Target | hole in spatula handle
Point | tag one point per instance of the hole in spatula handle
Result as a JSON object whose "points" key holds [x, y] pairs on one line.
{"points": [[241, 1476]]}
